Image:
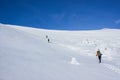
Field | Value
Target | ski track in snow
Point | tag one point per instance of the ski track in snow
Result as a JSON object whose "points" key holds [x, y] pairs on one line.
{"points": [[112, 67]]}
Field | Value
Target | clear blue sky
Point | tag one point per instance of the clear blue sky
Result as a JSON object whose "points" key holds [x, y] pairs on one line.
{"points": [[61, 14]]}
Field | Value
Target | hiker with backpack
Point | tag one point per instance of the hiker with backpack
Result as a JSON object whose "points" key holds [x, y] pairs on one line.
{"points": [[99, 55]]}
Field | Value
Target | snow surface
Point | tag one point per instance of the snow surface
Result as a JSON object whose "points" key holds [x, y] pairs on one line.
{"points": [[25, 54]]}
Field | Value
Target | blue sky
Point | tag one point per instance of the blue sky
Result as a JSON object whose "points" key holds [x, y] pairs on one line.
{"points": [[61, 14]]}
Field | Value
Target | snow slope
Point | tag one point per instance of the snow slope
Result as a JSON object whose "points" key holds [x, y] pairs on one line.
{"points": [[25, 54]]}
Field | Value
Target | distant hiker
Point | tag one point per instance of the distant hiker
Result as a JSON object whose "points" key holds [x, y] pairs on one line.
{"points": [[98, 53], [46, 36], [48, 40]]}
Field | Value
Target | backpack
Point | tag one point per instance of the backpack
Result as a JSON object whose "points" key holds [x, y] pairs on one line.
{"points": [[99, 53]]}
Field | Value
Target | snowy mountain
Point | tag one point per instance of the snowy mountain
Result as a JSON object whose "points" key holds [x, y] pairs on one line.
{"points": [[25, 54]]}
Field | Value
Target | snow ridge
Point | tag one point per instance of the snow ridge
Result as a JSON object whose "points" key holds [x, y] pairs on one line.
{"points": [[25, 54]]}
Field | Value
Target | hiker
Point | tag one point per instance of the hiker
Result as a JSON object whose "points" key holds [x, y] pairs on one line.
{"points": [[48, 40], [46, 36], [98, 53]]}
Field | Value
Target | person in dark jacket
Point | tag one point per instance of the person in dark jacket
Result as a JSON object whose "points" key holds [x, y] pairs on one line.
{"points": [[46, 36], [48, 40], [99, 55]]}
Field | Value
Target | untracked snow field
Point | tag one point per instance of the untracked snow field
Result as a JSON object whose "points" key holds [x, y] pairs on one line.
{"points": [[25, 54]]}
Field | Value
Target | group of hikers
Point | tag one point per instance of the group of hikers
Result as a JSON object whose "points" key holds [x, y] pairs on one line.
{"points": [[47, 38], [98, 53]]}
